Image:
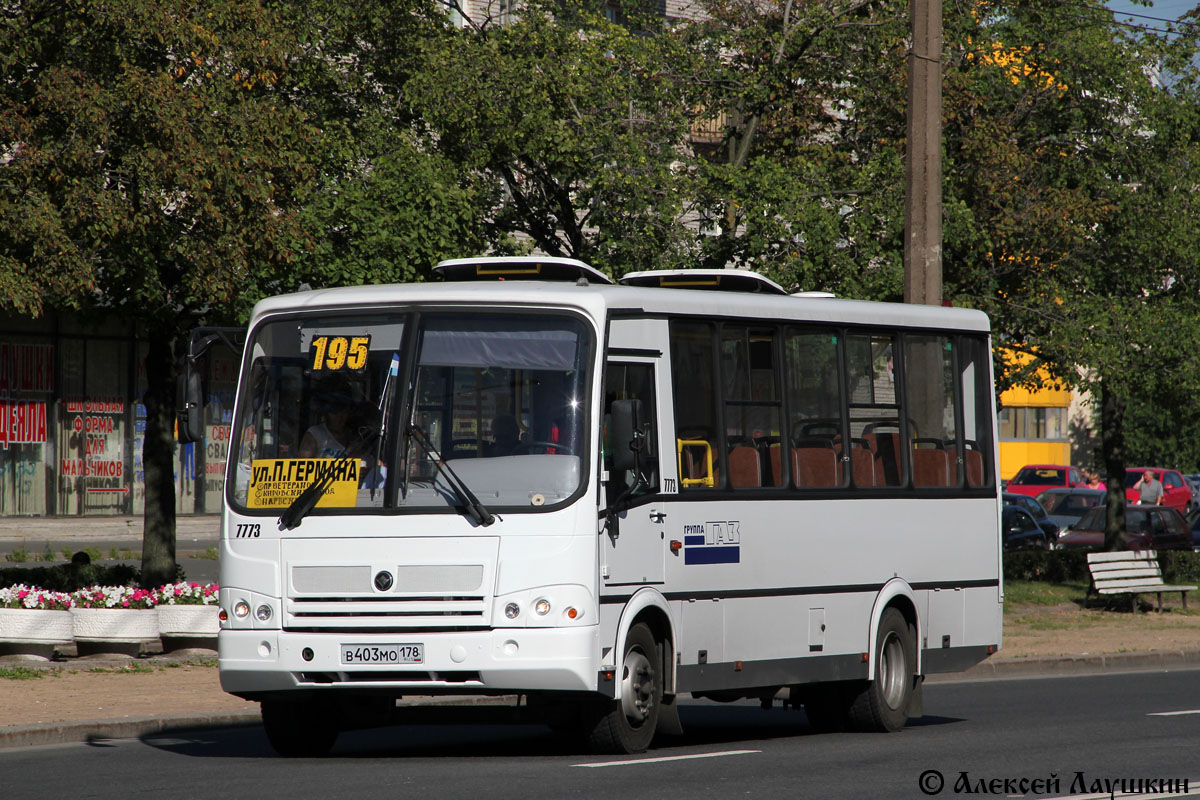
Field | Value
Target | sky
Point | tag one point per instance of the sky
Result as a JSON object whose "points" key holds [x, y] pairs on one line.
{"points": [[1162, 9]]}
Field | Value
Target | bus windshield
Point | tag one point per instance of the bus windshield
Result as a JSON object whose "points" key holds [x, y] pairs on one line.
{"points": [[501, 397]]}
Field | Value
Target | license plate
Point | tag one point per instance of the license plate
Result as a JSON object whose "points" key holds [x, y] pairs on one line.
{"points": [[383, 653]]}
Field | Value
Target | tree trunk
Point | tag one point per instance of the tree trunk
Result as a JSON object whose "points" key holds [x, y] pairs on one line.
{"points": [[158, 459], [1112, 448]]}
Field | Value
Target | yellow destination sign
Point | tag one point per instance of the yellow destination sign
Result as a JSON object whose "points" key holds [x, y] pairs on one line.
{"points": [[276, 482]]}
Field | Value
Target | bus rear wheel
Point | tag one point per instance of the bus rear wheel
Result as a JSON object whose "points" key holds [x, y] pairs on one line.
{"points": [[882, 704], [304, 729], [627, 725]]}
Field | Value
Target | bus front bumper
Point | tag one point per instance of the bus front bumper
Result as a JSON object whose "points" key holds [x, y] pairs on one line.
{"points": [[499, 661]]}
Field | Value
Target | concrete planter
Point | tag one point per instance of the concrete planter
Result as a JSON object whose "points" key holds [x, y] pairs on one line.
{"points": [[33, 633], [113, 630], [188, 627]]}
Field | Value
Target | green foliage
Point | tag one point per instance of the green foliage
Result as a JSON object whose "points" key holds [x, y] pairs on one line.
{"points": [[23, 673], [1041, 593], [70, 577], [1180, 566], [1048, 566], [18, 555], [573, 124], [807, 184]]}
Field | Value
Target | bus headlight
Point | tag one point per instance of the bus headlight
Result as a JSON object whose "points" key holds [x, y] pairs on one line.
{"points": [[263, 612], [550, 606], [241, 609]]}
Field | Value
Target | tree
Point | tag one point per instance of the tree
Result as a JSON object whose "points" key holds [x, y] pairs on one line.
{"points": [[388, 205], [808, 184], [1074, 167], [575, 123], [154, 166]]}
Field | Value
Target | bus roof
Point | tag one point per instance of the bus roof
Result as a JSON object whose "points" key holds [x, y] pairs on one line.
{"points": [[598, 300]]}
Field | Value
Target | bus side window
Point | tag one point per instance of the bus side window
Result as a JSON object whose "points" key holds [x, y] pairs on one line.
{"points": [[633, 382], [696, 420]]}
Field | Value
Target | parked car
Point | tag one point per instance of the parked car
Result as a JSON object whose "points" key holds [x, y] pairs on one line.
{"points": [[1146, 528], [1035, 510], [1065, 507], [1194, 483], [1021, 531], [1193, 521], [1034, 479], [1176, 492]]}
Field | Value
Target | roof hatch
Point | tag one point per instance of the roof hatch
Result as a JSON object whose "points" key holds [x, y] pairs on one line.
{"points": [[519, 268], [724, 280]]}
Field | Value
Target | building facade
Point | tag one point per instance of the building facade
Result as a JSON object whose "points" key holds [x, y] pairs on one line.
{"points": [[72, 423]]}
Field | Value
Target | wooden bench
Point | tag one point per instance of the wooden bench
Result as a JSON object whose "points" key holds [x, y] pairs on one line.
{"points": [[1130, 572]]}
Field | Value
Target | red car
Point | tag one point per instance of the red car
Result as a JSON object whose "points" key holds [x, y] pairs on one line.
{"points": [[1037, 478], [1176, 492], [1146, 528]]}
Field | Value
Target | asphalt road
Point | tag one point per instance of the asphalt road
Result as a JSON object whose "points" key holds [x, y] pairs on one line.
{"points": [[1080, 731]]}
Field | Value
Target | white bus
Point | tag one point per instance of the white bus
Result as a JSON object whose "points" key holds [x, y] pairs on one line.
{"points": [[527, 480]]}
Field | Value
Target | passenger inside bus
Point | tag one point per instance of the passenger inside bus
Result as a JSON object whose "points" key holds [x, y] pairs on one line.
{"points": [[506, 436]]}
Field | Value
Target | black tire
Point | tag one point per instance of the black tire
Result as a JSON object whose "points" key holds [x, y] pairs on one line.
{"points": [[299, 729], [627, 725], [881, 705]]}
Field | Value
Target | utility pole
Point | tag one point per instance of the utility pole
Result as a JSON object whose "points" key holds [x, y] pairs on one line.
{"points": [[923, 170]]}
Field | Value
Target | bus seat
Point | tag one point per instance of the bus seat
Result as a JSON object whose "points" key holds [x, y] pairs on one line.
{"points": [[745, 471], [929, 467], [815, 463], [774, 459], [862, 462]]}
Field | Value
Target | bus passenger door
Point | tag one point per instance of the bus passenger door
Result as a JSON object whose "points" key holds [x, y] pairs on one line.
{"points": [[634, 542]]}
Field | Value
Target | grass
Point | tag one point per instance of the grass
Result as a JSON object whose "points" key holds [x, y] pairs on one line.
{"points": [[208, 555], [193, 662], [1036, 593], [21, 673], [18, 555], [127, 669]]}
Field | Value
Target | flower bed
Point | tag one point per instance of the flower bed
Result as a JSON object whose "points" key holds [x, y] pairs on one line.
{"points": [[33, 621], [187, 616]]}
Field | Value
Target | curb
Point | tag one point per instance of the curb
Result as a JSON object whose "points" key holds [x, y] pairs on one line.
{"points": [[132, 728], [1073, 665], [48, 733]]}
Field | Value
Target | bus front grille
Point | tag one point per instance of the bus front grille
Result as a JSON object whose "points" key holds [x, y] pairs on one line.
{"points": [[389, 614]]}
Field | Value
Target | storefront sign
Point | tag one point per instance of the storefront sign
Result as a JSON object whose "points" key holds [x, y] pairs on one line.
{"points": [[22, 422], [26, 368]]}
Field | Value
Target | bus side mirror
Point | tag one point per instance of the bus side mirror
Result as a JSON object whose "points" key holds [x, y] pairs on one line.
{"points": [[627, 434], [189, 390]]}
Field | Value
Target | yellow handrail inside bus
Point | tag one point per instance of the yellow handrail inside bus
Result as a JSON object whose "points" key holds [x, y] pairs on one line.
{"points": [[707, 480]]}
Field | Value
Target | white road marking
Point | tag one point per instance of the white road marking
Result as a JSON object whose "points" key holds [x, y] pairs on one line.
{"points": [[1173, 713], [661, 759]]}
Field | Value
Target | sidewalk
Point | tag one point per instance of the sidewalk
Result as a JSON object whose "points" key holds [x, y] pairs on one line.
{"points": [[34, 531], [88, 699]]}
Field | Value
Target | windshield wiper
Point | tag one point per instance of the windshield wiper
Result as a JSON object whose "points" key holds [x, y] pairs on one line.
{"points": [[385, 407], [475, 509], [306, 501]]}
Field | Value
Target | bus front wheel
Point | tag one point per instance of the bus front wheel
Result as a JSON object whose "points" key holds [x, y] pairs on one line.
{"points": [[882, 703], [304, 729], [627, 725]]}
